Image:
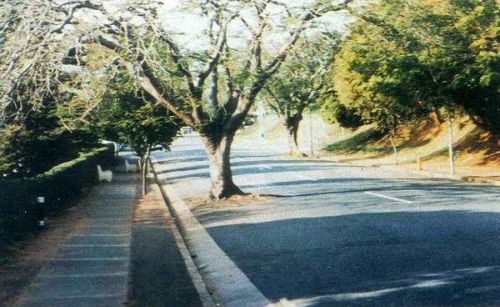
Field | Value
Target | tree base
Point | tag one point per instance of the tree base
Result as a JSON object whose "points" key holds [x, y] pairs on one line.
{"points": [[297, 154], [226, 192]]}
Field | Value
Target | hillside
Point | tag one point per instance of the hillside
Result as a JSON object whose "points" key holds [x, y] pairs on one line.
{"points": [[477, 153]]}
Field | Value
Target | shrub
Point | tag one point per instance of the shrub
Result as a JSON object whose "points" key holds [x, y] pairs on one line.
{"points": [[59, 185]]}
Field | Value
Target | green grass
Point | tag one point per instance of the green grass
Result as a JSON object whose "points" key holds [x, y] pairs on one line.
{"points": [[360, 142]]}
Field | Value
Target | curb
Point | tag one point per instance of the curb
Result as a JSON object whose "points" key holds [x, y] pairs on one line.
{"points": [[199, 283], [228, 285], [418, 173], [444, 176]]}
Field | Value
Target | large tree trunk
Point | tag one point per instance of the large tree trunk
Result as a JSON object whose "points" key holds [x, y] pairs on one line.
{"points": [[218, 151], [292, 127]]}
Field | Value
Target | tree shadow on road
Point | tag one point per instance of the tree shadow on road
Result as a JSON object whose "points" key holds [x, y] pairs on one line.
{"points": [[441, 258]]}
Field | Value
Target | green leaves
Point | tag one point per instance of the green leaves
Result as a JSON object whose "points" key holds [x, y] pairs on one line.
{"points": [[128, 116], [403, 59], [303, 79]]}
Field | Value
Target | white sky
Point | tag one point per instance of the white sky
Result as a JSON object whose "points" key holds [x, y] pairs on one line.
{"points": [[188, 27]]}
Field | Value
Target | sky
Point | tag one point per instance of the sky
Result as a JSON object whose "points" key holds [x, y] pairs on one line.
{"points": [[188, 27]]}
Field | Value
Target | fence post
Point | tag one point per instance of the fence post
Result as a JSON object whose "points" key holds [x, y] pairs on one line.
{"points": [[40, 203]]}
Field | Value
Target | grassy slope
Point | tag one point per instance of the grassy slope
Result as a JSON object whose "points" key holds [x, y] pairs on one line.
{"points": [[477, 153]]}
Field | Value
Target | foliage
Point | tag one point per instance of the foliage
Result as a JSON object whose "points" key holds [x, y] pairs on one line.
{"points": [[333, 112], [59, 185], [302, 79], [358, 142], [38, 142], [403, 59], [210, 87], [127, 116]]}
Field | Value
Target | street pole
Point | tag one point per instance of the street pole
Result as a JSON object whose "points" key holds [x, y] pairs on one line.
{"points": [[260, 118], [40, 200], [311, 143], [450, 145]]}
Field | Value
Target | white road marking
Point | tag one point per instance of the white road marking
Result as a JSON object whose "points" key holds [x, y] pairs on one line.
{"points": [[96, 245], [84, 275], [307, 178], [390, 197]]}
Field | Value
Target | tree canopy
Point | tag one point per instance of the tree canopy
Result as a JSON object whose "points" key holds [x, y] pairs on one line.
{"points": [[301, 81], [402, 59]]}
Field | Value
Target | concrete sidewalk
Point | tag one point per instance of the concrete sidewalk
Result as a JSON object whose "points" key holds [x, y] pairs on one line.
{"points": [[91, 266], [116, 257]]}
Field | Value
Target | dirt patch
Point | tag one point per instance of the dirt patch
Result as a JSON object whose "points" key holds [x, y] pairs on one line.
{"points": [[149, 207], [477, 153], [195, 203]]}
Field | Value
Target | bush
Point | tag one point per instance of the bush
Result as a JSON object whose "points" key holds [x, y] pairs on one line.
{"points": [[347, 117], [59, 185], [358, 142], [39, 142]]}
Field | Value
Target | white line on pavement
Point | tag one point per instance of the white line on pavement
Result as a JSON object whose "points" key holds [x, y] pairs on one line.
{"points": [[306, 178], [389, 197], [118, 274], [96, 245]]}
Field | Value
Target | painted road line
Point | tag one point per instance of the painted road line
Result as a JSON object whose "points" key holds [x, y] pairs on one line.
{"points": [[96, 245], [389, 197], [306, 178], [118, 274]]}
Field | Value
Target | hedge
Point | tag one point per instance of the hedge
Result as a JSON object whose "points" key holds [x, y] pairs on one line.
{"points": [[59, 185]]}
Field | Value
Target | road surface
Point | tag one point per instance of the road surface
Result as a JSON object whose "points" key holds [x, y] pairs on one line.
{"points": [[341, 235]]}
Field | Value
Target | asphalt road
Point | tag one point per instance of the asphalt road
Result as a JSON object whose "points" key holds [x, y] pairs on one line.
{"points": [[340, 235]]}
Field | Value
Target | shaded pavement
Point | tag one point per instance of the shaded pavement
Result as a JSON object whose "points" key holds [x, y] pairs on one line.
{"points": [[342, 235], [123, 252], [91, 266]]}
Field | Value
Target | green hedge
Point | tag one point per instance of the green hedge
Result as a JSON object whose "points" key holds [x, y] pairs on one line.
{"points": [[18, 215]]}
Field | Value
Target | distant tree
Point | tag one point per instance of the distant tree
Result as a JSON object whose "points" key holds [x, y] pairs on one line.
{"points": [[300, 83], [127, 116], [334, 112]]}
